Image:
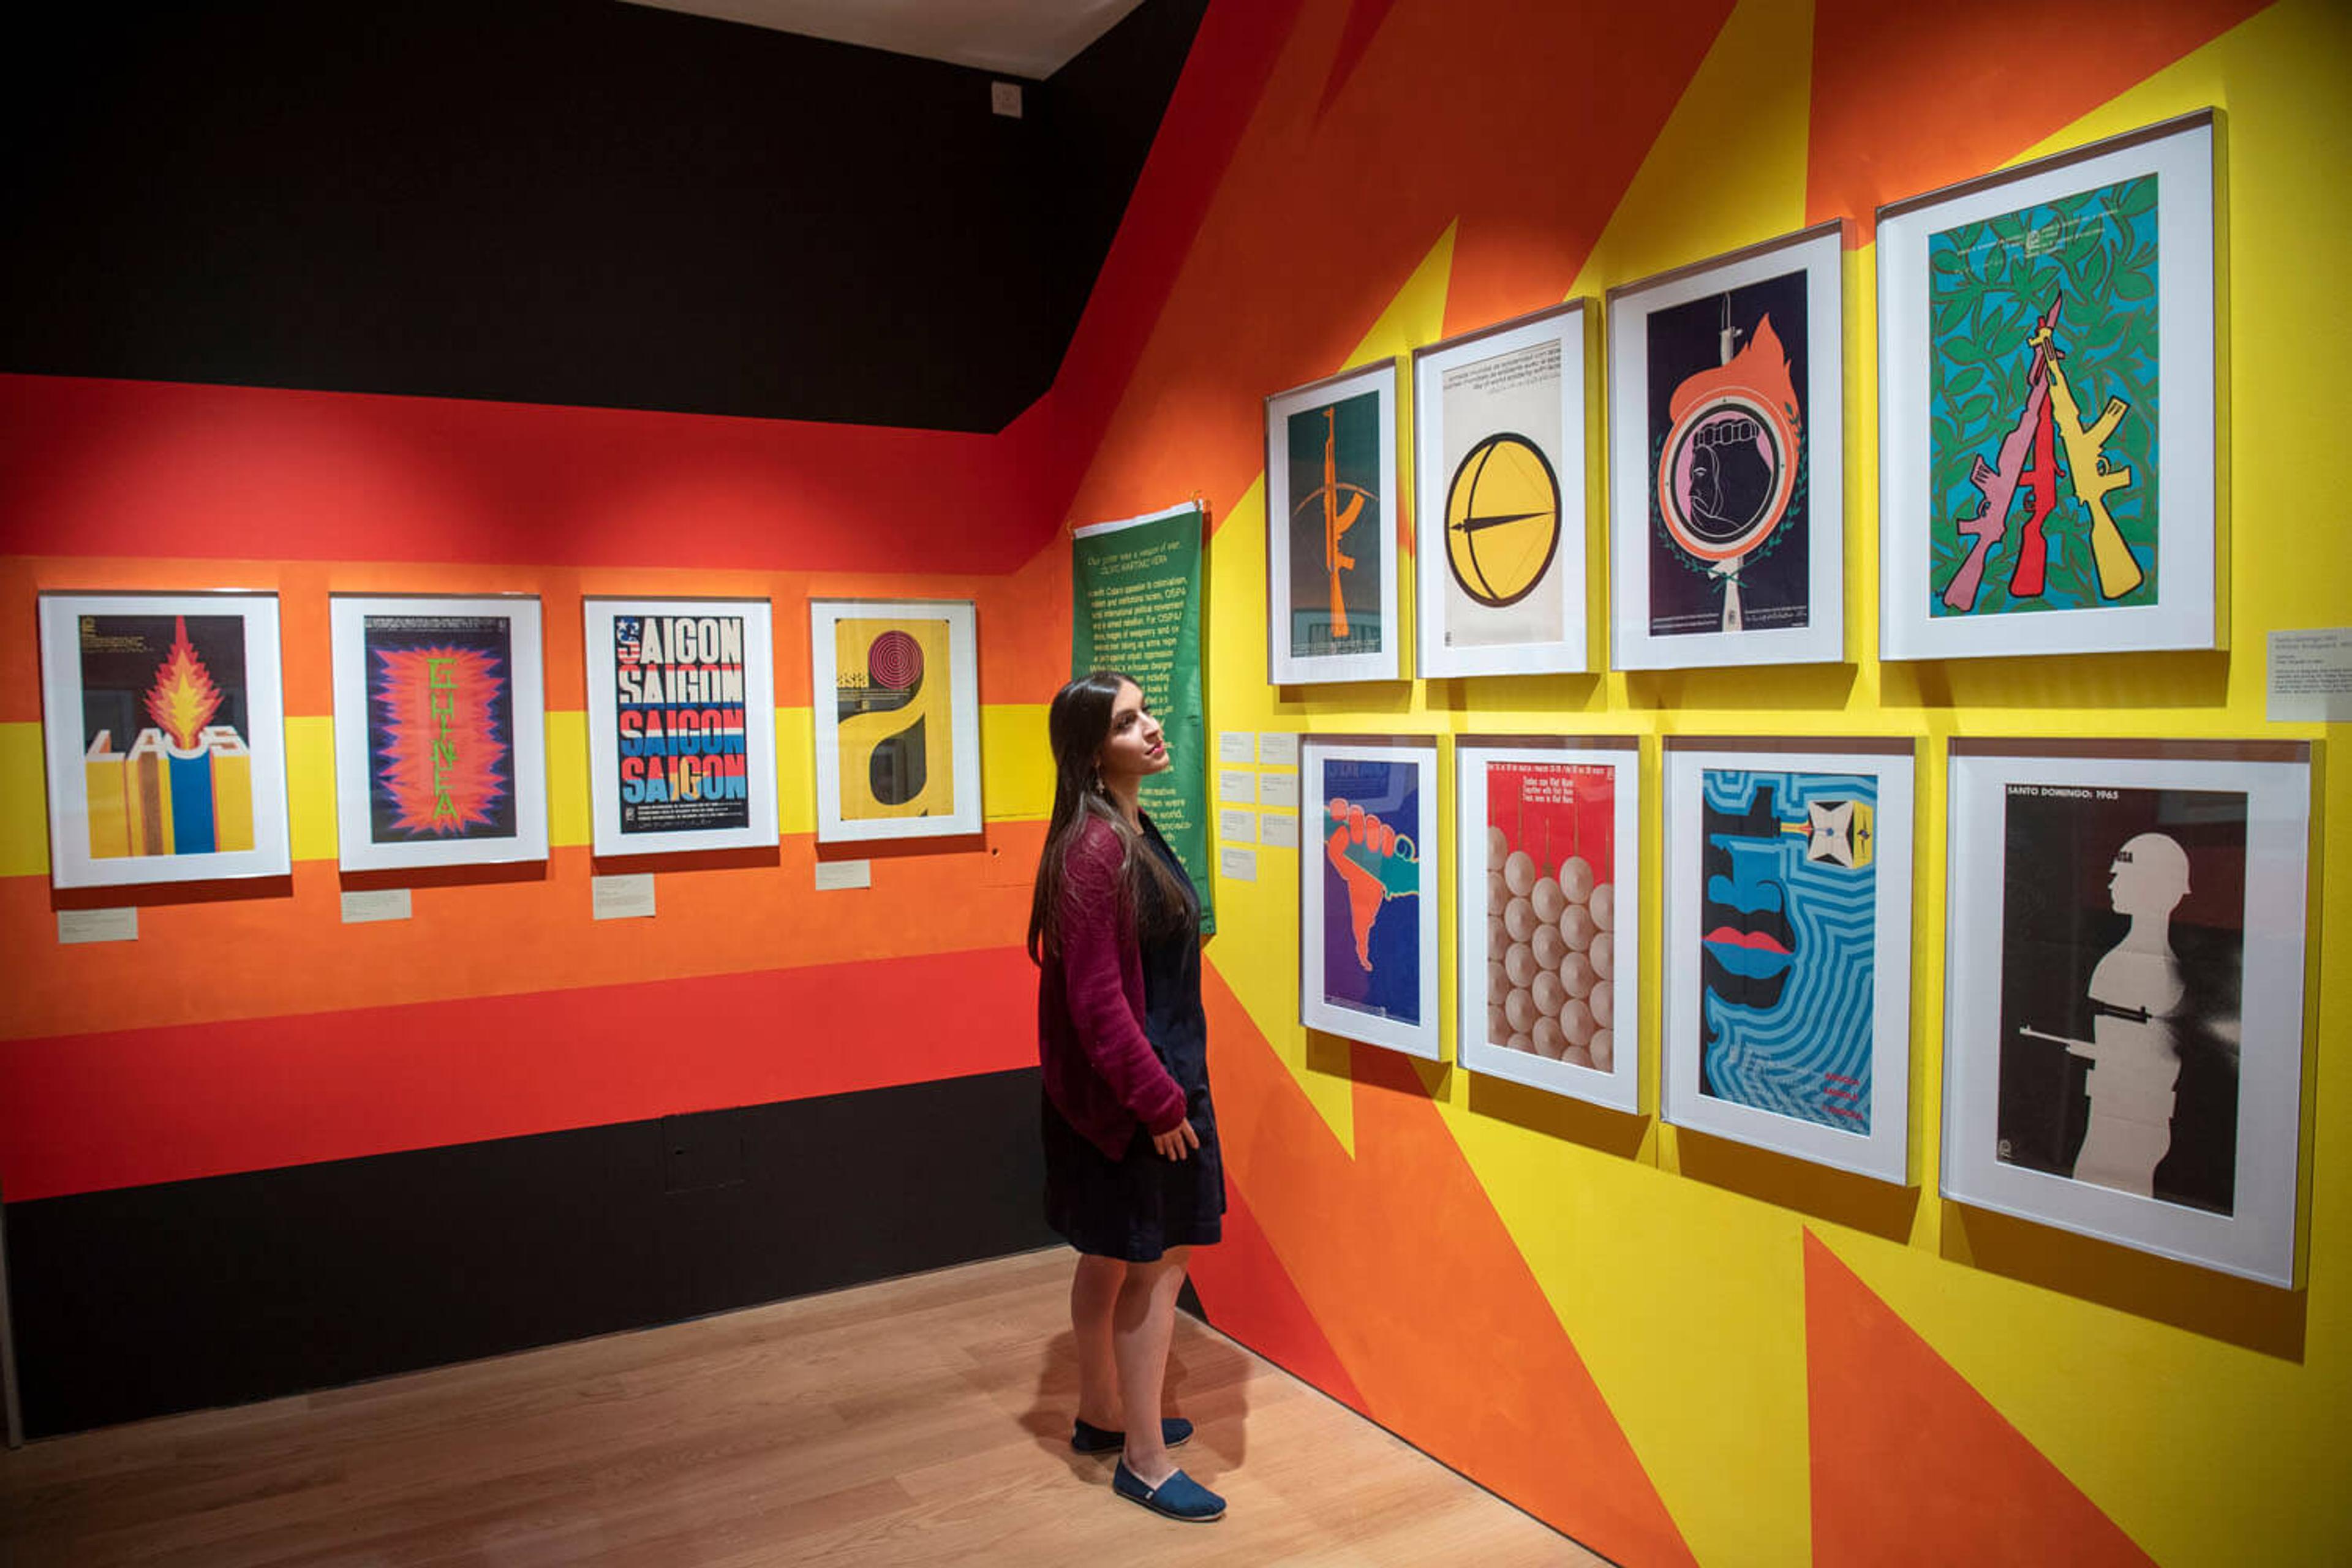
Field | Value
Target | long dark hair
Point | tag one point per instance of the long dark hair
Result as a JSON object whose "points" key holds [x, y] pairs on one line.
{"points": [[1155, 898]]}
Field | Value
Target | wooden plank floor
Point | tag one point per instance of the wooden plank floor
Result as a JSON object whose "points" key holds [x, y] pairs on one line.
{"points": [[920, 1421]]}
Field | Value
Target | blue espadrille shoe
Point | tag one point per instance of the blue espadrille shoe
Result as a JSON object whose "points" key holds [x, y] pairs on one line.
{"points": [[1180, 1496], [1088, 1438]]}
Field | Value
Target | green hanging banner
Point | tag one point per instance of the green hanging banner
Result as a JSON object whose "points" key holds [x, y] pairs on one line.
{"points": [[1135, 606]]}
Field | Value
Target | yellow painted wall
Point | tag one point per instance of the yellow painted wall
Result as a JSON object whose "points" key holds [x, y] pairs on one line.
{"points": [[2203, 1415]]}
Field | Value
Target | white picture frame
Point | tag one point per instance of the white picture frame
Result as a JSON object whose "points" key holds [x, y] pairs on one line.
{"points": [[2078, 946], [1549, 936], [1499, 463], [1961, 383], [123, 790], [431, 767], [1767, 1035], [1368, 970], [698, 671], [1724, 548], [1311, 635], [936, 630]]}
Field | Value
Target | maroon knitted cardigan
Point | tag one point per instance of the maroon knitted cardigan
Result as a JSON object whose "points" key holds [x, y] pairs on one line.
{"points": [[1101, 1072]]}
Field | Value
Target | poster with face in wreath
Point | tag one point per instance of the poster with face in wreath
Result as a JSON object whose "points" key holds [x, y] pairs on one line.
{"points": [[681, 724], [1727, 523]]}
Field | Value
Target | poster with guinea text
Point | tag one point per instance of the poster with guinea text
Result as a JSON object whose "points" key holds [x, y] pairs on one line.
{"points": [[1368, 933], [681, 725], [439, 730], [162, 724], [898, 720]]}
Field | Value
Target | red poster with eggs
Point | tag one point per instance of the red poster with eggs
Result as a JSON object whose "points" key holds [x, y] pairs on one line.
{"points": [[1551, 910]]}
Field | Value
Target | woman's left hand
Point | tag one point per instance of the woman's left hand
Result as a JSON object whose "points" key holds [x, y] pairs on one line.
{"points": [[1177, 1143]]}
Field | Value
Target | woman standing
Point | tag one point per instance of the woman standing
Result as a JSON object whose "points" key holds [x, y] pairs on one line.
{"points": [[1133, 1177]]}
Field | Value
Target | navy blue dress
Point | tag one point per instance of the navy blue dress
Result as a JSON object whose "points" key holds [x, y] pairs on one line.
{"points": [[1138, 1207]]}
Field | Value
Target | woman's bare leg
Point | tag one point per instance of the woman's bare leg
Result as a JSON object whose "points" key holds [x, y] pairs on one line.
{"points": [[1141, 1325], [1094, 1293]]}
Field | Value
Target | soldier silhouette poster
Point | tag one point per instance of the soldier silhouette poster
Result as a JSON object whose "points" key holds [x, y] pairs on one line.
{"points": [[2124, 990], [2047, 405], [162, 724], [1368, 888], [1498, 435], [1331, 529], [897, 709], [1726, 520]]}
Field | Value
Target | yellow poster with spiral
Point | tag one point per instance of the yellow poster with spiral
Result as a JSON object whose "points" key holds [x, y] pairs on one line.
{"points": [[892, 699]]}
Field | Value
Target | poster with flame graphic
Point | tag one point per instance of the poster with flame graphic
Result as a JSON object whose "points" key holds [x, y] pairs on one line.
{"points": [[440, 745], [1727, 458], [163, 728]]}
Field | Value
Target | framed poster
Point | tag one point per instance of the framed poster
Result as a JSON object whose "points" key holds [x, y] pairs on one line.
{"points": [[1727, 458], [163, 728], [2122, 1041], [1550, 956], [1498, 446], [896, 700], [2046, 401], [1368, 892], [1788, 947], [440, 730], [1331, 529], [681, 724]]}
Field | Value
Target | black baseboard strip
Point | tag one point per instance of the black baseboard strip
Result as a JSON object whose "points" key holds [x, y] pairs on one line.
{"points": [[184, 1295]]}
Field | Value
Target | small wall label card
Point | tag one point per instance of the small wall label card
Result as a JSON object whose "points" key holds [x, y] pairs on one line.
{"points": [[163, 727], [2047, 404], [1331, 529], [2311, 677], [1498, 437], [1236, 787], [897, 702], [440, 730], [1726, 522], [681, 724], [1278, 748], [1551, 932], [1368, 916], [118, 924], [2123, 985], [365, 906], [628, 896], [1788, 947], [1236, 746], [1237, 826]]}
